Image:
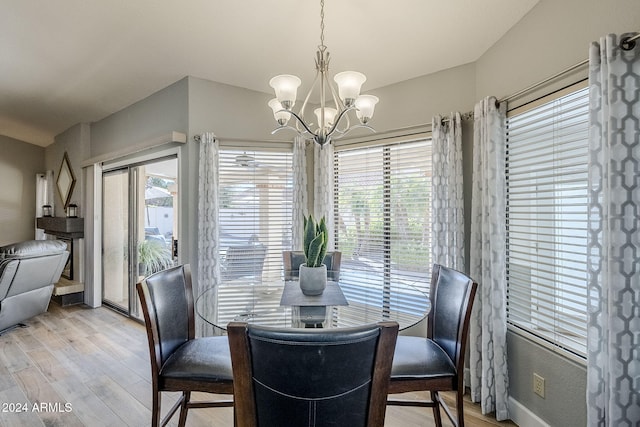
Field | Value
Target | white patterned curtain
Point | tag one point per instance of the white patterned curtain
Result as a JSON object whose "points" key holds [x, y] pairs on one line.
{"points": [[44, 196], [488, 329], [447, 202], [323, 186], [208, 224], [613, 339], [299, 192]]}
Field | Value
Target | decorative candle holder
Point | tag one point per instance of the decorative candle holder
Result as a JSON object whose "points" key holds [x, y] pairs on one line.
{"points": [[72, 211]]}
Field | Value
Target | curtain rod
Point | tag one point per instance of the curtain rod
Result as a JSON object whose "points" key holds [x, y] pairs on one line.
{"points": [[197, 138], [464, 116], [543, 82], [627, 43]]}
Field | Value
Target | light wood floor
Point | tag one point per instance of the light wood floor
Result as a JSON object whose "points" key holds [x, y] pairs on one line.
{"points": [[77, 366]]}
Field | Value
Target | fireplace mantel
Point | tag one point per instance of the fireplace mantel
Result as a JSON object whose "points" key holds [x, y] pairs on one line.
{"points": [[70, 228]]}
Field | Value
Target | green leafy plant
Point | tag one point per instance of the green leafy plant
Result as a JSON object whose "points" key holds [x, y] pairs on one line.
{"points": [[316, 237], [153, 256]]}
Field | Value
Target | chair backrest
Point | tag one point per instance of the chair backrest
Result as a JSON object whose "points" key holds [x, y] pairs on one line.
{"points": [[244, 261], [292, 260], [333, 377], [30, 265], [166, 298], [452, 294]]}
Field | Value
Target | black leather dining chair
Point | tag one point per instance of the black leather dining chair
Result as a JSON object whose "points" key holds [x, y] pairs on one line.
{"points": [[301, 377], [179, 361], [244, 261], [436, 363], [292, 260]]}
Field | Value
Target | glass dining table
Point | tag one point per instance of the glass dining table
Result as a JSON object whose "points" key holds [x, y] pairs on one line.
{"points": [[280, 303]]}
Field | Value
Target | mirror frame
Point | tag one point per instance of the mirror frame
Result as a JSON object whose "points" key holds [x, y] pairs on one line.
{"points": [[66, 181]]}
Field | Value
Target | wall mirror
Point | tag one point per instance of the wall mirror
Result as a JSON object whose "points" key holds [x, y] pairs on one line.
{"points": [[66, 181]]}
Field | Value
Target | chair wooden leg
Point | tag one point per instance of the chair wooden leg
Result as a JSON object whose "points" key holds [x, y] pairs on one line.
{"points": [[235, 416], [155, 409], [186, 397], [458, 419], [179, 404], [435, 398], [460, 407]]}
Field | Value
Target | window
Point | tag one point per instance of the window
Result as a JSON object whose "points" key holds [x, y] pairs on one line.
{"points": [[382, 210], [255, 213], [547, 155]]}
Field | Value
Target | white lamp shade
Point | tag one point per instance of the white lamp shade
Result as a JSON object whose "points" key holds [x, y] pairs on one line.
{"points": [[329, 116], [365, 105], [279, 114], [349, 84], [286, 88]]}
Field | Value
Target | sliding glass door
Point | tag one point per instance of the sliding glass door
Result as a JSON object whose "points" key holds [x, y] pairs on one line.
{"points": [[139, 228], [115, 238]]}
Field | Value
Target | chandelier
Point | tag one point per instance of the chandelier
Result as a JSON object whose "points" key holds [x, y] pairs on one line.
{"points": [[333, 123]]}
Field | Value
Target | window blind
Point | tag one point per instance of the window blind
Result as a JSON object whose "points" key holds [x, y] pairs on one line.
{"points": [[546, 168], [382, 208], [255, 193]]}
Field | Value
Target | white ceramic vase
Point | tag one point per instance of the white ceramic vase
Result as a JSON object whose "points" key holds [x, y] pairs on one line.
{"points": [[313, 280]]}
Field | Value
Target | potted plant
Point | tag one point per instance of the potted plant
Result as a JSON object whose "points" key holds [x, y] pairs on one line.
{"points": [[153, 256], [313, 273]]}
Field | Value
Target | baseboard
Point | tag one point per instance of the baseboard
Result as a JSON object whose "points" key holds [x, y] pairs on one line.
{"points": [[518, 413], [522, 416]]}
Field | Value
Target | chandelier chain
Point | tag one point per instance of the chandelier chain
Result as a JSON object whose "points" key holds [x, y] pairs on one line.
{"points": [[322, 46]]}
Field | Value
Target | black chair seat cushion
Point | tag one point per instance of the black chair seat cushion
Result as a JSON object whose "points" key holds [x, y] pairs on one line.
{"points": [[201, 359], [420, 358]]}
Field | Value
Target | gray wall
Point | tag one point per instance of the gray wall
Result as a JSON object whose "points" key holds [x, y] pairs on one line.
{"points": [[164, 111], [565, 402], [416, 101], [230, 111], [19, 164]]}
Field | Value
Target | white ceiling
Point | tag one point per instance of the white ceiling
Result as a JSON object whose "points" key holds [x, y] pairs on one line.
{"points": [[64, 62]]}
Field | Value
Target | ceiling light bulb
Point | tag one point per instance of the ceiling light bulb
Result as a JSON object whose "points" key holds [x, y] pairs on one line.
{"points": [[365, 105], [286, 88], [279, 113], [349, 84], [329, 116]]}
